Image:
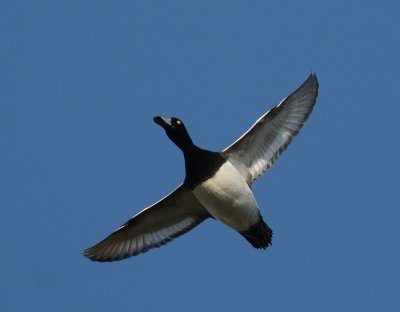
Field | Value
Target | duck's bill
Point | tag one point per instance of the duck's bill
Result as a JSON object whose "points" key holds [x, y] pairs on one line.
{"points": [[161, 121]]}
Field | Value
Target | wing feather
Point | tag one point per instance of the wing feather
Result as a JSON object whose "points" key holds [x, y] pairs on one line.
{"points": [[257, 149], [172, 216]]}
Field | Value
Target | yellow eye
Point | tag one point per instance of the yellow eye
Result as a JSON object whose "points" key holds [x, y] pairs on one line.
{"points": [[178, 122]]}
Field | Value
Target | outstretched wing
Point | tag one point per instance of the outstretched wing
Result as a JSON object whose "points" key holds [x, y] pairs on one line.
{"points": [[172, 216], [256, 150]]}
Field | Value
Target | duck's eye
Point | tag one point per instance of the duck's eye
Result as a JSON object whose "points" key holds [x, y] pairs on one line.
{"points": [[178, 122]]}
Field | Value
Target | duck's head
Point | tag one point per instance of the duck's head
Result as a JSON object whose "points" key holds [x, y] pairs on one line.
{"points": [[176, 131]]}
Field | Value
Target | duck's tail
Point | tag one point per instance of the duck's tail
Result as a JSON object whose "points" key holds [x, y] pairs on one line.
{"points": [[258, 235]]}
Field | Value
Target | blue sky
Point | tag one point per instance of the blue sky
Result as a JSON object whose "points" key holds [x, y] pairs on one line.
{"points": [[80, 84]]}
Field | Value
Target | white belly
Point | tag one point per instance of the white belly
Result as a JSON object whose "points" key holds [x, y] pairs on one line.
{"points": [[228, 198]]}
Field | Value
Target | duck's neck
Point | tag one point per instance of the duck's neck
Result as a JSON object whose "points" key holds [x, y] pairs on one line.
{"points": [[200, 164], [192, 155]]}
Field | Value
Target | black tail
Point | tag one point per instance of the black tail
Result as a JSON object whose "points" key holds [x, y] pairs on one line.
{"points": [[259, 235]]}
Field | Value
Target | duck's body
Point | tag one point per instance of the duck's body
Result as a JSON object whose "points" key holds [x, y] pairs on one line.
{"points": [[217, 184], [228, 198], [220, 188]]}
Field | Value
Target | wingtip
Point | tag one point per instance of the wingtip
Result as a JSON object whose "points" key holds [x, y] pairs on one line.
{"points": [[312, 76], [89, 254], [101, 253], [316, 85], [312, 82], [92, 255], [310, 86]]}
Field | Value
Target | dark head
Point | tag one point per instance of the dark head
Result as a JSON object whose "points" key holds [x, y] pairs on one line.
{"points": [[176, 131]]}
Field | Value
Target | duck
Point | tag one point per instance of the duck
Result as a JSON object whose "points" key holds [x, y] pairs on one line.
{"points": [[217, 185]]}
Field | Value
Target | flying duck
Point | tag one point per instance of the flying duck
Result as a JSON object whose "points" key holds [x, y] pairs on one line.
{"points": [[217, 184]]}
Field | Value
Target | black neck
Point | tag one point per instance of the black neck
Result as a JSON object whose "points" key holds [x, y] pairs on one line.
{"points": [[200, 164]]}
